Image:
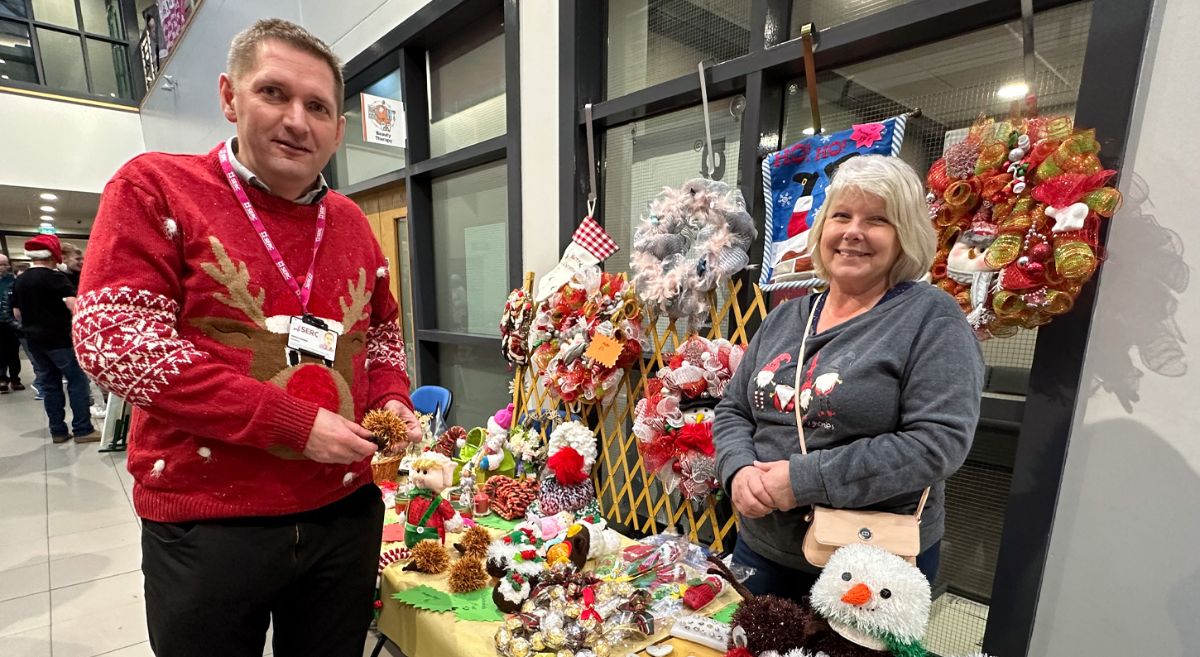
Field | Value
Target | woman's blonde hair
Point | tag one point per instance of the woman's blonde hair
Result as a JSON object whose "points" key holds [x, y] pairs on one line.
{"points": [[903, 194]]}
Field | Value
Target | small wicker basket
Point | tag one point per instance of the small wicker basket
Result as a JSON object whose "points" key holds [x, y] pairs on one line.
{"points": [[385, 468]]}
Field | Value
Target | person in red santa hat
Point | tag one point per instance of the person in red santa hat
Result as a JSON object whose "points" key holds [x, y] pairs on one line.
{"points": [[44, 301]]}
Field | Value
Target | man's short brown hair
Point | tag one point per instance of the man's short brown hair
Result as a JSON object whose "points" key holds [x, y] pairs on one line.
{"points": [[69, 249], [243, 52]]}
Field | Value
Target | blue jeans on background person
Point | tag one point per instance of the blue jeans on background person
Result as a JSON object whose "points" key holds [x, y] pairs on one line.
{"points": [[51, 367], [772, 578]]}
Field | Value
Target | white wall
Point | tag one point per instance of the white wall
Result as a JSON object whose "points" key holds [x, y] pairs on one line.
{"points": [[61, 145], [1123, 575], [540, 165], [350, 26]]}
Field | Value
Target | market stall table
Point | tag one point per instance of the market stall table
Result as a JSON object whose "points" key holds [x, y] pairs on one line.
{"points": [[420, 633]]}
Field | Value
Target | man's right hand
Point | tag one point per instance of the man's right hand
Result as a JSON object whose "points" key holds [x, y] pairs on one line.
{"points": [[334, 439], [750, 496]]}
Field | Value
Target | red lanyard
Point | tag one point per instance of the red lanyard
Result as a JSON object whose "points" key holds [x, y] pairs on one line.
{"points": [[302, 292]]}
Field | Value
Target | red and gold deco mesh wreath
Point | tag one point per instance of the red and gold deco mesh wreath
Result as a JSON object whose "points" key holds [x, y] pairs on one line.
{"points": [[592, 306], [1017, 208]]}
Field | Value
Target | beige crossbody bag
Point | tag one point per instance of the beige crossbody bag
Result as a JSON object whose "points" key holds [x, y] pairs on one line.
{"points": [[830, 529]]}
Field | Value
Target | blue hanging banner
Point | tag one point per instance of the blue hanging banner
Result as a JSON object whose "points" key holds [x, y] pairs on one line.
{"points": [[794, 182]]}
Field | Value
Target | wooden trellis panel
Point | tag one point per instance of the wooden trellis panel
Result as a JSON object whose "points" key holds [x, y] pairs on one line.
{"points": [[630, 497]]}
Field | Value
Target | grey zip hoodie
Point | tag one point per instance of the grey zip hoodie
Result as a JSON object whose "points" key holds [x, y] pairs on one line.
{"points": [[889, 398]]}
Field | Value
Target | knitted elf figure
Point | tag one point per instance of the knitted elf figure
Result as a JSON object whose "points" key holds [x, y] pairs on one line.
{"points": [[428, 512]]}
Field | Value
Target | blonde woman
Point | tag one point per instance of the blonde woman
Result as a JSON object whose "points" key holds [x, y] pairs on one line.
{"points": [[888, 389]]}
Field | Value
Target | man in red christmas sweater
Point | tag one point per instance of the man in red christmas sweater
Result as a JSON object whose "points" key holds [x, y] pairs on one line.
{"points": [[252, 477]]}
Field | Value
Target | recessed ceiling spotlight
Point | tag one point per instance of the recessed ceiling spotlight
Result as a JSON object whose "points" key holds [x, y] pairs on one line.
{"points": [[47, 208], [810, 131], [47, 196], [5, 77], [46, 217], [1013, 91]]}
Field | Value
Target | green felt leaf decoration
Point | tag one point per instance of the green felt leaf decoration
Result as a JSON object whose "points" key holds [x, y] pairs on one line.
{"points": [[494, 521], [476, 606], [425, 597], [725, 615]]}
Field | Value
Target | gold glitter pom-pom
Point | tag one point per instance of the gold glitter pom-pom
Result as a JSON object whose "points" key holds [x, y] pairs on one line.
{"points": [[475, 542], [467, 574], [387, 425], [428, 557]]}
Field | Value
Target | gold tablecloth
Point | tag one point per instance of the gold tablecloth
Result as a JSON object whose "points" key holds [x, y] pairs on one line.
{"points": [[431, 634]]}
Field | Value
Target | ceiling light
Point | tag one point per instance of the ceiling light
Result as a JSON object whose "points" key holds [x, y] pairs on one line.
{"points": [[47, 208], [5, 77], [3, 62], [47, 196], [47, 217], [810, 131], [1013, 91]]}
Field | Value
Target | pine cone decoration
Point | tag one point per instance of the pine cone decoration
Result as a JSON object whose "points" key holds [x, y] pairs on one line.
{"points": [[467, 574], [474, 542], [386, 425], [429, 557]]}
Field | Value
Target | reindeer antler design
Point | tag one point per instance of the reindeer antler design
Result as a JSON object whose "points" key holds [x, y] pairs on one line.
{"points": [[355, 310], [236, 279]]}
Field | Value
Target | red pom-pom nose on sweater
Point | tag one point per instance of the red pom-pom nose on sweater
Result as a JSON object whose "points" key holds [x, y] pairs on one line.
{"points": [[567, 465], [314, 383]]}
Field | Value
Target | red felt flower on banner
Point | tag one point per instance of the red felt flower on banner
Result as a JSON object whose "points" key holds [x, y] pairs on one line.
{"points": [[866, 134]]}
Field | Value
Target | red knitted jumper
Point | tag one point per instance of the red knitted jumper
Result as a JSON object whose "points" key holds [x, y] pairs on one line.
{"points": [[183, 314]]}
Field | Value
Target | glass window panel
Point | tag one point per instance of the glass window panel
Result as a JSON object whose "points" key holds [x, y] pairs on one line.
{"points": [[110, 69], [358, 160], [404, 258], [470, 249], [828, 13], [652, 41], [59, 12], [16, 53], [62, 60], [102, 17], [953, 82], [645, 156], [466, 88], [478, 379], [13, 8]]}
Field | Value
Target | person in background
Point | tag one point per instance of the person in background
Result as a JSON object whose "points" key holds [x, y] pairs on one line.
{"points": [[888, 388], [72, 264], [251, 473], [10, 333], [43, 300]]}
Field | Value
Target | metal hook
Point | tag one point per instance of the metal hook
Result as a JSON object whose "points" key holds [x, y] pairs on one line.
{"points": [[710, 158], [592, 164]]}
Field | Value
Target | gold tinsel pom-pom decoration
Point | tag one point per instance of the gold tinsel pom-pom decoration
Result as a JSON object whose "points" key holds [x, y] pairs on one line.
{"points": [[475, 542], [387, 425], [428, 557], [467, 574]]}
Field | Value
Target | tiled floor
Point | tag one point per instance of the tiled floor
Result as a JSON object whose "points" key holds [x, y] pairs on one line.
{"points": [[70, 552]]}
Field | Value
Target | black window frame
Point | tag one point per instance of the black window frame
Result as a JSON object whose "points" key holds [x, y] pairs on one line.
{"points": [[130, 42], [1112, 63], [405, 49]]}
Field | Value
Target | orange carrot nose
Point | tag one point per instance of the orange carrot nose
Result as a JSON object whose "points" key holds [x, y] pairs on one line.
{"points": [[857, 596]]}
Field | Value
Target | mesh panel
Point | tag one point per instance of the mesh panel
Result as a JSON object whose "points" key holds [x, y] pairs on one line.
{"points": [[652, 41], [828, 13], [952, 82], [642, 157]]}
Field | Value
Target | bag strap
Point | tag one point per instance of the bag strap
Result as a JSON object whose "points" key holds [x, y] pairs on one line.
{"points": [[812, 305]]}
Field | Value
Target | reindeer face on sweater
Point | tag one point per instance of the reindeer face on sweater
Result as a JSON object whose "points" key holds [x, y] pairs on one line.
{"points": [[266, 337]]}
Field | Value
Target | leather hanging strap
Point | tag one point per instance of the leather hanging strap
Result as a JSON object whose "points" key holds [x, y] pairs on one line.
{"points": [[812, 304], [810, 74]]}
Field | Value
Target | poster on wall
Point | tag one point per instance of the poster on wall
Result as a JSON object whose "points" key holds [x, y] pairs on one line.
{"points": [[383, 120], [794, 182]]}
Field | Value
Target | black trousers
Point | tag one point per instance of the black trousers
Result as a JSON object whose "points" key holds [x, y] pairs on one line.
{"points": [[212, 587], [10, 354]]}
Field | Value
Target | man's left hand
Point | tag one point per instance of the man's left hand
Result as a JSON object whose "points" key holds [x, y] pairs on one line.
{"points": [[414, 433], [777, 478]]}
